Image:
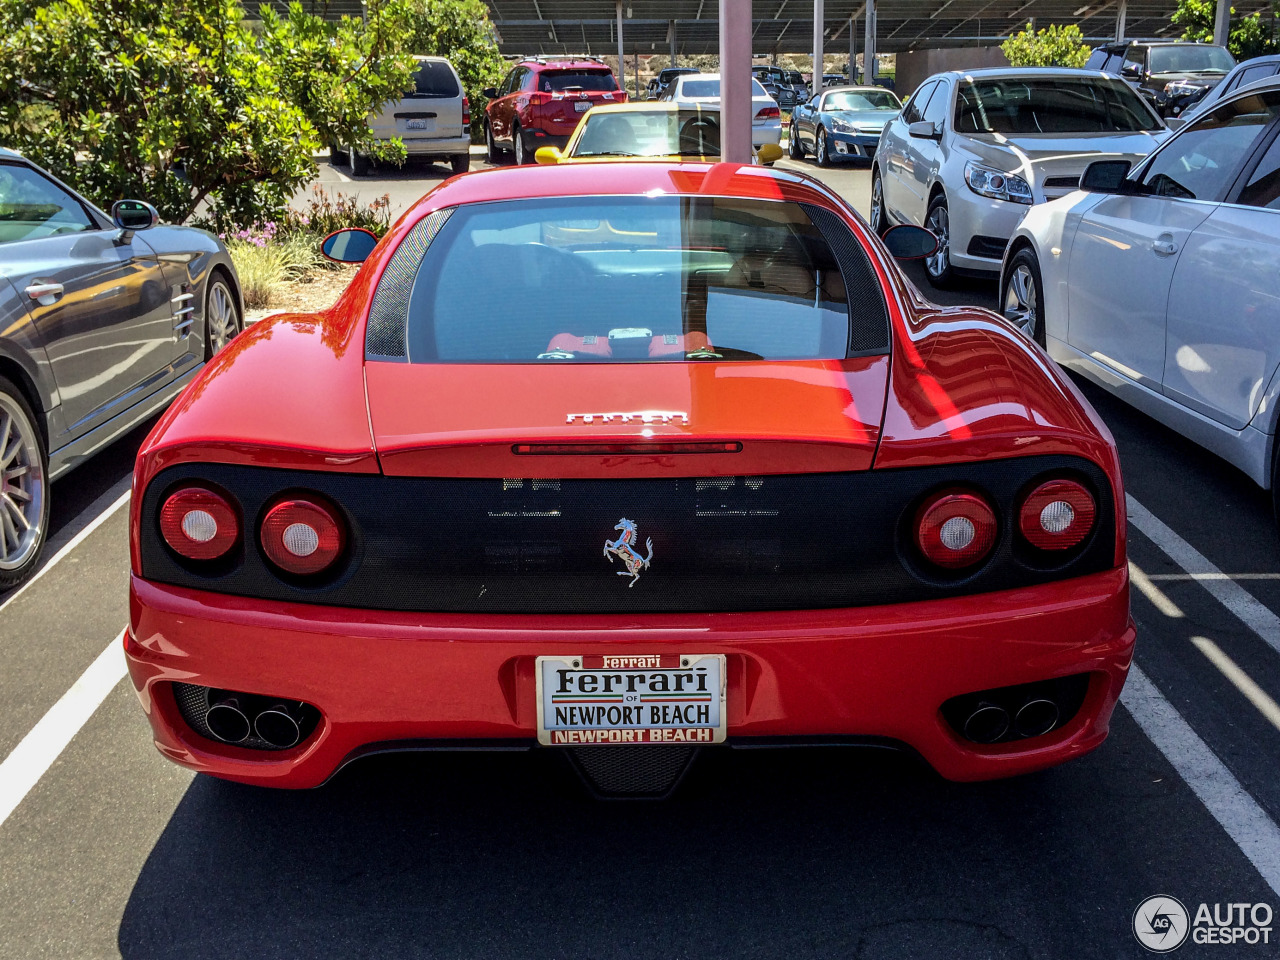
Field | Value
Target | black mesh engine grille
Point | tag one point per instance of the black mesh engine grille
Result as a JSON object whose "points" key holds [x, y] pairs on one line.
{"points": [[632, 771], [868, 315], [388, 314], [801, 541]]}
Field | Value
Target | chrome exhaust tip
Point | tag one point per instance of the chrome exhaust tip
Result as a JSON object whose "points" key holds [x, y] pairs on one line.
{"points": [[1036, 718], [987, 724], [227, 721], [278, 725]]}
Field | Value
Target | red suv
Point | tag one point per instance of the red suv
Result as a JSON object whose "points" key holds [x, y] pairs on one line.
{"points": [[540, 102]]}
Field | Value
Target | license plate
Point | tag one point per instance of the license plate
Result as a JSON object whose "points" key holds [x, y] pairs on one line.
{"points": [[416, 124], [651, 698], [582, 106]]}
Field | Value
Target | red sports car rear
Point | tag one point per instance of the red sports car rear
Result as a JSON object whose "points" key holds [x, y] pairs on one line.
{"points": [[662, 459]]}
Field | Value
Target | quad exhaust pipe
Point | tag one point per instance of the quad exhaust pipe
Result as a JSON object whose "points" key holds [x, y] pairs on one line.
{"points": [[227, 720], [279, 724], [1036, 717], [988, 723]]}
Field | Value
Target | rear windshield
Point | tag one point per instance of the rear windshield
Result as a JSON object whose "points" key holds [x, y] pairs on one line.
{"points": [[435, 79], [688, 133], [862, 100], [632, 279], [1051, 105], [711, 88], [557, 81], [1190, 58]]}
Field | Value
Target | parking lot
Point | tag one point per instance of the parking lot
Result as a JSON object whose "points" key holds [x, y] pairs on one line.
{"points": [[106, 849]]}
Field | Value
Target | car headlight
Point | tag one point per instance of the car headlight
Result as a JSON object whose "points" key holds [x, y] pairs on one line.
{"points": [[997, 184], [843, 126], [1180, 88]]}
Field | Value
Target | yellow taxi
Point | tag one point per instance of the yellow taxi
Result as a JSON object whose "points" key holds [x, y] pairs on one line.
{"points": [[651, 130]]}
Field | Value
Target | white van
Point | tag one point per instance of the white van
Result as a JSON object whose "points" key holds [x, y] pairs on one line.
{"points": [[433, 120]]}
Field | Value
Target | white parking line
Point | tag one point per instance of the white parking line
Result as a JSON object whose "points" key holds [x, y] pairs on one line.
{"points": [[77, 531], [24, 767], [1243, 682], [1159, 599], [1230, 594], [1255, 833]]}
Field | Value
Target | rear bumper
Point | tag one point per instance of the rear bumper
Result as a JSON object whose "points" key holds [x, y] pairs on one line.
{"points": [[383, 679], [535, 137], [437, 146]]}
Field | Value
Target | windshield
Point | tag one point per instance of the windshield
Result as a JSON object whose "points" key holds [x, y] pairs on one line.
{"points": [[689, 133], [606, 279], [698, 89], [1050, 105], [558, 81], [435, 79], [1191, 58], [869, 100]]}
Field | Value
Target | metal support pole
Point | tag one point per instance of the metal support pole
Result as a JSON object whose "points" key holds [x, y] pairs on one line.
{"points": [[735, 81], [622, 57], [853, 50], [1121, 13], [869, 45], [671, 39], [1222, 23], [818, 38]]}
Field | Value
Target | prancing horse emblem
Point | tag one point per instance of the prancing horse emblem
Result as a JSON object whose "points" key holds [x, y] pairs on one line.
{"points": [[624, 549]]}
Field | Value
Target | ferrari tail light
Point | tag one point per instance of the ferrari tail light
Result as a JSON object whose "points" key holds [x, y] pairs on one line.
{"points": [[955, 529], [302, 536], [768, 113], [1057, 515], [199, 524], [466, 112]]}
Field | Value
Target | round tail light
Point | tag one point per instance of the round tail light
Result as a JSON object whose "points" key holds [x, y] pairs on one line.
{"points": [[955, 529], [1057, 515], [302, 536], [199, 524]]}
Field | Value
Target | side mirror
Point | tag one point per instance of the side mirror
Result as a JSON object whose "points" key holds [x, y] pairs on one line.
{"points": [[133, 215], [1175, 123], [769, 153], [1131, 71], [1105, 176], [925, 130], [909, 242], [550, 155], [349, 245], [489, 93]]}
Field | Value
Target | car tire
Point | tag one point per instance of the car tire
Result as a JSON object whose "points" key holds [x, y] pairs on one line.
{"points": [[460, 163], [517, 146], [222, 320], [24, 488], [938, 222], [337, 156], [823, 148], [877, 218], [360, 164], [493, 154], [795, 149], [1022, 295]]}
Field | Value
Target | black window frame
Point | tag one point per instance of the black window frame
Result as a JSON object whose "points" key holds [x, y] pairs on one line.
{"points": [[927, 88]]}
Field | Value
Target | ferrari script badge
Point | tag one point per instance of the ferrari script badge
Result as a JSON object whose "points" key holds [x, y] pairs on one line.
{"points": [[624, 549]]}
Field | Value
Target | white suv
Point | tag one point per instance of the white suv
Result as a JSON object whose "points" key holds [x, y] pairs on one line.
{"points": [[433, 120]]}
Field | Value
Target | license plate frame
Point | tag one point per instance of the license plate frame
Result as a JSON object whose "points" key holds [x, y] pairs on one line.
{"points": [[582, 106], [418, 125], [564, 693]]}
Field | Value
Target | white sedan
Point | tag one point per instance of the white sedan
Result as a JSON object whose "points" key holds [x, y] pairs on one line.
{"points": [[703, 89], [1162, 283]]}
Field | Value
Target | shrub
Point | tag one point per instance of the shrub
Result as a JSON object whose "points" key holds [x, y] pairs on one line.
{"points": [[1248, 37], [1053, 46]]}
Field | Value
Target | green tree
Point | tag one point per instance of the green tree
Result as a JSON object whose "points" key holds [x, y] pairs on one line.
{"points": [[1052, 46], [184, 102], [1248, 37], [461, 31]]}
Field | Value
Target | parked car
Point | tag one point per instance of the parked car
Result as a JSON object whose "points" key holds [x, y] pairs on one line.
{"points": [[664, 77], [704, 89], [799, 89], [972, 150], [648, 131], [841, 122], [433, 120], [1169, 74], [758, 487], [1244, 75], [773, 79], [103, 321], [1173, 301], [540, 103]]}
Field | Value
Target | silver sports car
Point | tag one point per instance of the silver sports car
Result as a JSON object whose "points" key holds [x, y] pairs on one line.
{"points": [[103, 320]]}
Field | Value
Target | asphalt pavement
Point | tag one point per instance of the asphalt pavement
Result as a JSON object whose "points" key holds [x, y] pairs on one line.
{"points": [[107, 850]]}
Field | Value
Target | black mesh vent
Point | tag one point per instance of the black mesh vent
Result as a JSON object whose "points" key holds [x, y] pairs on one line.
{"points": [[786, 542], [389, 314], [193, 704], [632, 771], [992, 248], [868, 314]]}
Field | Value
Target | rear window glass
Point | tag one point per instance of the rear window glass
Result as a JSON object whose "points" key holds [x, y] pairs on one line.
{"points": [[711, 88], [557, 81], [689, 133], [435, 79], [631, 279], [1050, 105]]}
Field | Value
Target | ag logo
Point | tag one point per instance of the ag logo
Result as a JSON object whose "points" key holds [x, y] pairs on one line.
{"points": [[1161, 924]]}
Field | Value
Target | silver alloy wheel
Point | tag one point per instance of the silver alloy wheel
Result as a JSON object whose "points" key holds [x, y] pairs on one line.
{"points": [[877, 202], [517, 147], [221, 317], [938, 223], [1020, 304], [22, 486], [822, 147]]}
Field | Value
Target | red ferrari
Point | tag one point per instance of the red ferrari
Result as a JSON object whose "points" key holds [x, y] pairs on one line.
{"points": [[630, 463]]}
